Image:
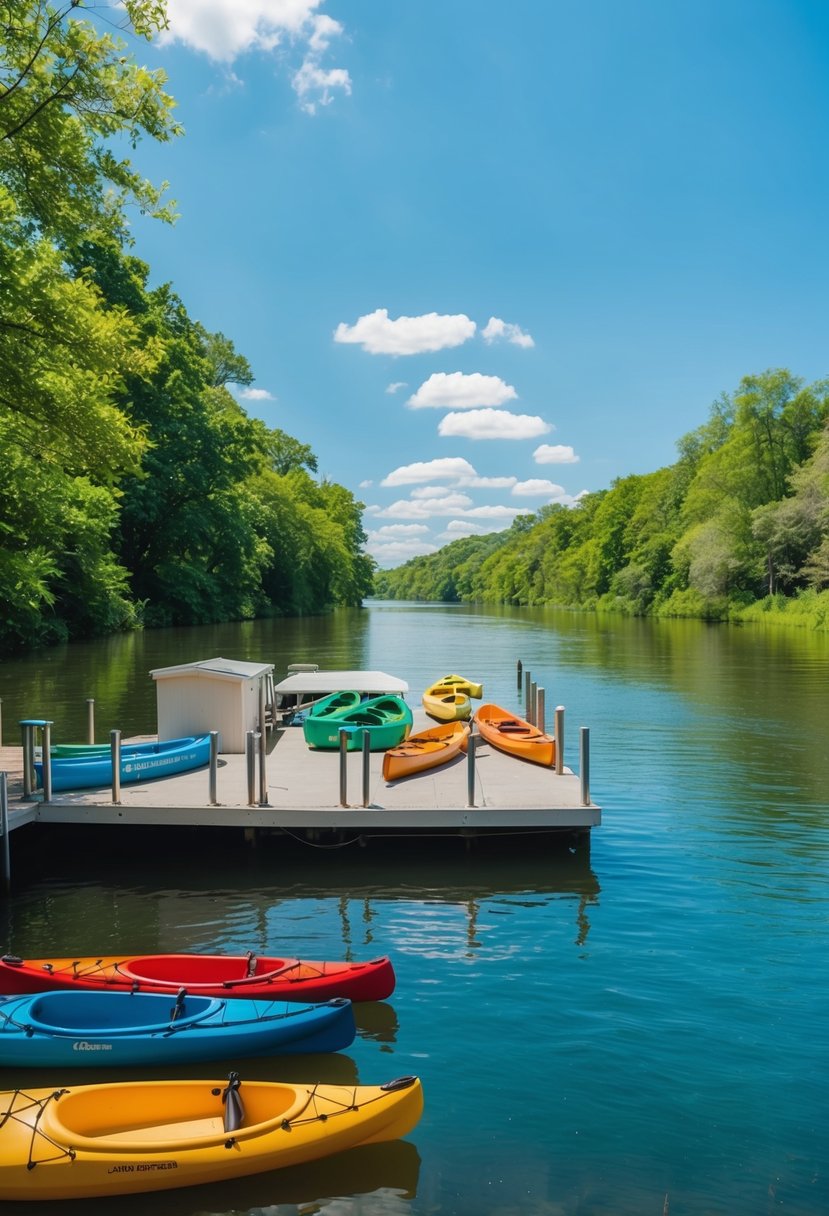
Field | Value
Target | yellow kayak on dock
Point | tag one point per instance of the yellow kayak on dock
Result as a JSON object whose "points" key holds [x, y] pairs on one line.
{"points": [[445, 703], [461, 684], [114, 1139]]}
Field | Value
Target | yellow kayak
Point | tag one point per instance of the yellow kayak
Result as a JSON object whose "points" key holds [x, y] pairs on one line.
{"points": [[114, 1139], [460, 684], [446, 704]]}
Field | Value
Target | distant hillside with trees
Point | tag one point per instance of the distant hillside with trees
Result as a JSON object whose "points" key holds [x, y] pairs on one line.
{"points": [[738, 527], [134, 489]]}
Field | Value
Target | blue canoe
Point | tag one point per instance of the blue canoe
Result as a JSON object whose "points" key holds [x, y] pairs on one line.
{"points": [[147, 761], [48, 1029]]}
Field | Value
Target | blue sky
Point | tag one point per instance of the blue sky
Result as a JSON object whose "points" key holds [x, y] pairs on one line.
{"points": [[484, 256]]}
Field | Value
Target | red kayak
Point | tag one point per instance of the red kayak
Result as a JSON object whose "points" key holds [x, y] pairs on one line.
{"points": [[221, 975]]}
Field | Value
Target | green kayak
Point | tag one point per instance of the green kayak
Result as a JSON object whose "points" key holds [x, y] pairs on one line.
{"points": [[387, 719], [319, 718]]}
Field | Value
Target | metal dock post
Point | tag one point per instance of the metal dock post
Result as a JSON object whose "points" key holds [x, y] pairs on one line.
{"points": [[250, 766], [343, 733], [470, 769], [366, 767], [214, 764], [559, 739], [4, 827], [584, 764], [115, 753]]}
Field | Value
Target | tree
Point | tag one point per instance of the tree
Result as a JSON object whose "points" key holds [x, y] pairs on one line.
{"points": [[66, 91]]}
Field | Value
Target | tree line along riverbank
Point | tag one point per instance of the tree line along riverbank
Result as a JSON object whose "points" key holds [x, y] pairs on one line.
{"points": [[134, 488], [736, 529]]}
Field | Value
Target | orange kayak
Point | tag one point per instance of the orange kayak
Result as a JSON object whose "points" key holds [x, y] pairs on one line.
{"points": [[426, 749], [515, 736]]}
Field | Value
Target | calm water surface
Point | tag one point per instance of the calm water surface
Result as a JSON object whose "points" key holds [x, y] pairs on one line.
{"points": [[641, 1031]]}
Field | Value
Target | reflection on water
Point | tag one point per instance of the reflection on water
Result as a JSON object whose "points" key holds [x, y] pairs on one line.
{"points": [[631, 1030], [373, 1179]]}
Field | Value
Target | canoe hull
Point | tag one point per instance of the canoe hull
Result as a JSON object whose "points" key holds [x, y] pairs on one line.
{"points": [[447, 705], [61, 1029], [85, 771], [425, 750], [321, 718], [515, 736], [97, 1140], [203, 975], [387, 720], [461, 684]]}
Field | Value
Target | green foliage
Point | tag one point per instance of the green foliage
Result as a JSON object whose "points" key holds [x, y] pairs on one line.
{"points": [[132, 483], [743, 512]]}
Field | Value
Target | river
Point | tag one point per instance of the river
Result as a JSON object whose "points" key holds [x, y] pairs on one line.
{"points": [[635, 1030]]}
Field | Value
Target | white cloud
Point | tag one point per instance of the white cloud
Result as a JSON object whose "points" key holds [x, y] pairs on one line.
{"points": [[364, 485], [427, 508], [225, 29], [256, 394], [496, 328], [459, 390], [379, 335], [451, 504], [501, 512], [555, 453], [492, 424], [390, 532], [538, 486], [456, 528], [391, 553], [313, 84], [430, 492], [325, 28], [487, 483], [395, 386], [452, 467]]}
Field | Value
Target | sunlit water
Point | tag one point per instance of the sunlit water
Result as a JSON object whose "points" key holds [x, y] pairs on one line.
{"points": [[641, 1031]]}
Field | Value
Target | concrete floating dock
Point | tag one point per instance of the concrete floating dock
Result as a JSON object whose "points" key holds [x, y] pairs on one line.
{"points": [[304, 796]]}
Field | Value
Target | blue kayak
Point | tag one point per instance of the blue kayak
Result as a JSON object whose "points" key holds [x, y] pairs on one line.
{"points": [[140, 762], [48, 1029]]}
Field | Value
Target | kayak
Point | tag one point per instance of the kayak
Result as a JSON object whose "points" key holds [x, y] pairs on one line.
{"points": [[114, 1139], [447, 704], [427, 749], [317, 720], [461, 684], [515, 736], [64, 750], [222, 975], [71, 1029], [387, 719], [139, 762]]}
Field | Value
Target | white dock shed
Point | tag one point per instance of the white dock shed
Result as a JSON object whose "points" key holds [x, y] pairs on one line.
{"points": [[214, 694]]}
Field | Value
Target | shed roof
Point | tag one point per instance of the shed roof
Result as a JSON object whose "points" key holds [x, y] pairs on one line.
{"points": [[336, 681], [219, 669]]}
